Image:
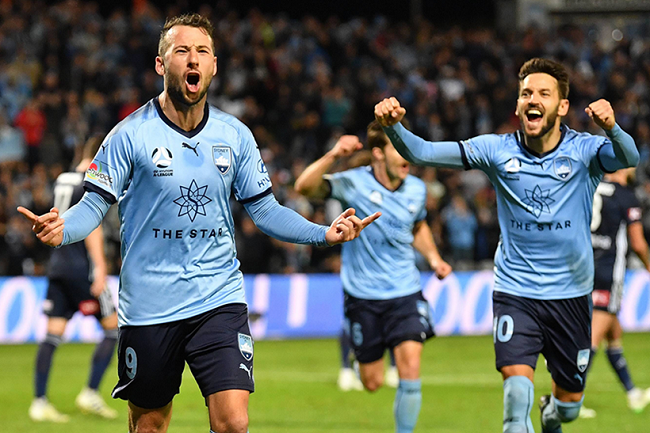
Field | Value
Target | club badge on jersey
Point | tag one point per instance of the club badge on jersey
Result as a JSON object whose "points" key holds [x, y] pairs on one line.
{"points": [[222, 157]]}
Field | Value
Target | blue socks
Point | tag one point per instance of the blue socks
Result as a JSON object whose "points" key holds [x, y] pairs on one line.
{"points": [[558, 412], [102, 357], [618, 362], [408, 401], [518, 398], [44, 362]]}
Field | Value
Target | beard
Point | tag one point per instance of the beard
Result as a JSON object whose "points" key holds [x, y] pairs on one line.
{"points": [[549, 124], [175, 85]]}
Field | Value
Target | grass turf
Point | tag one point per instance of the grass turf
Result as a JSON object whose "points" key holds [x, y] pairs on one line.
{"points": [[296, 391]]}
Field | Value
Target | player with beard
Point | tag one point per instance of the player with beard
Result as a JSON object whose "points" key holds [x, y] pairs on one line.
{"points": [[172, 166], [545, 176]]}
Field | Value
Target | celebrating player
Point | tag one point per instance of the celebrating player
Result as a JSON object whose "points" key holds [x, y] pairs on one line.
{"points": [[545, 176], [171, 166], [384, 306], [77, 282]]}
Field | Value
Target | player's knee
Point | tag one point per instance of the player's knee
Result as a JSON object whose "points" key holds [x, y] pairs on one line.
{"points": [[232, 424], [568, 411], [372, 384]]}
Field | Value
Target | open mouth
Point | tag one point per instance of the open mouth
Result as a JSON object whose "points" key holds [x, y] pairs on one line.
{"points": [[534, 115], [192, 81]]}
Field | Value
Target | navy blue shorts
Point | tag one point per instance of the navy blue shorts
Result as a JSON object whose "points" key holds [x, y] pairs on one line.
{"points": [[377, 325], [216, 345], [69, 295], [558, 329]]}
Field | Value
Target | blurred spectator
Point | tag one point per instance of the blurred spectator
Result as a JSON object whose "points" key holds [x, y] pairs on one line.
{"points": [[461, 227], [67, 71]]}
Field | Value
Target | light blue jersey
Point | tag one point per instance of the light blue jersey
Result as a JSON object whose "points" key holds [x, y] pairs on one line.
{"points": [[173, 189], [380, 264], [544, 202], [545, 205]]}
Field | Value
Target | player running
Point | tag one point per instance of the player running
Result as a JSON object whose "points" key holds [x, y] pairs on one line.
{"points": [[383, 303], [545, 176], [172, 167]]}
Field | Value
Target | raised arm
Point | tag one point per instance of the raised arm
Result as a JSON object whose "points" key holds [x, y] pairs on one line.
{"points": [[623, 152], [310, 183], [424, 244], [414, 149]]}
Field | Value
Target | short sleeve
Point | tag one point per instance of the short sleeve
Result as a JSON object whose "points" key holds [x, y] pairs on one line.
{"points": [[110, 172], [252, 180], [341, 186], [479, 152]]}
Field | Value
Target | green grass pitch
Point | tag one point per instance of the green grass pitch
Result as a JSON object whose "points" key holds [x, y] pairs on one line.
{"points": [[296, 391]]}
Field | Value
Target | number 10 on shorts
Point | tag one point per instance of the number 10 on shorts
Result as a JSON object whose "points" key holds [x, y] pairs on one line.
{"points": [[502, 328]]}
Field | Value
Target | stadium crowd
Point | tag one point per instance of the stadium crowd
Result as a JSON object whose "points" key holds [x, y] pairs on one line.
{"points": [[67, 73]]}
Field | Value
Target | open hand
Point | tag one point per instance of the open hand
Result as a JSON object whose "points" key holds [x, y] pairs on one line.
{"points": [[389, 112], [348, 226], [602, 113], [48, 227]]}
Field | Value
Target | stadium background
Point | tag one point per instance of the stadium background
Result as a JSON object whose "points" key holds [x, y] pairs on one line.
{"points": [[300, 74]]}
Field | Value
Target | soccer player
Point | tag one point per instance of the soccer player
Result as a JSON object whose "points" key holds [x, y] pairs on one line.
{"points": [[77, 282], [383, 303], [616, 215], [172, 166], [545, 176]]}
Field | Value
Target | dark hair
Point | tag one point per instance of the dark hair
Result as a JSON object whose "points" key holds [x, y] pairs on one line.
{"points": [[190, 20], [376, 135], [550, 67]]}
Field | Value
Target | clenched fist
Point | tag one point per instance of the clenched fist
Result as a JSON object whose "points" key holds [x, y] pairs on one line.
{"points": [[389, 112], [602, 114]]}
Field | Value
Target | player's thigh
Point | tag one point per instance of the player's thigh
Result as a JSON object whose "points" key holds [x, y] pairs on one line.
{"points": [[601, 325], [407, 318], [517, 334], [363, 325], [407, 359], [228, 410], [567, 342], [149, 420], [150, 364], [58, 303], [219, 350]]}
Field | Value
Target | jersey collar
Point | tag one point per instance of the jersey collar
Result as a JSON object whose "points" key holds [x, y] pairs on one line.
{"points": [[188, 134], [519, 135]]}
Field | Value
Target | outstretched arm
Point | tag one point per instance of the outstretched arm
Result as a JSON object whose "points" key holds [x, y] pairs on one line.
{"points": [[310, 183], [80, 220], [623, 152], [286, 225], [423, 243], [414, 149]]}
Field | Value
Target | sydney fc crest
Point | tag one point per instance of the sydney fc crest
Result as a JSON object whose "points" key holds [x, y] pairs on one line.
{"points": [[245, 346], [583, 360], [562, 166], [513, 165], [222, 157]]}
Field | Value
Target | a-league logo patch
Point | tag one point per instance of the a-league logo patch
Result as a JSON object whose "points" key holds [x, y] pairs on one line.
{"points": [[562, 166], [222, 157], [583, 359], [245, 346]]}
